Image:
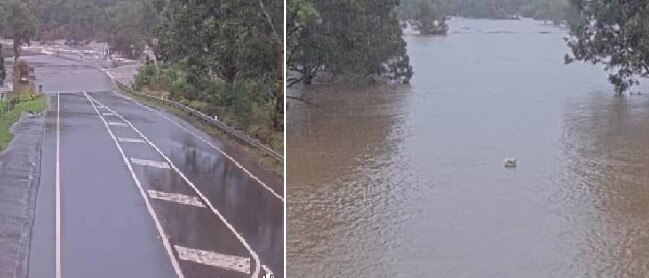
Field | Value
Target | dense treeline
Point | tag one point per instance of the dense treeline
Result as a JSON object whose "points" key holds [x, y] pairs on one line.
{"points": [[549, 10], [426, 16], [224, 58], [613, 33], [126, 25], [359, 39], [3, 71]]}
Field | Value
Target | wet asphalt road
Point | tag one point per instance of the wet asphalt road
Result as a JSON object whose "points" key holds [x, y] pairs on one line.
{"points": [[144, 194]]}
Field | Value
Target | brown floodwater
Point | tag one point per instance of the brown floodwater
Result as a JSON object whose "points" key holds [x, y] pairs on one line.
{"points": [[409, 181]]}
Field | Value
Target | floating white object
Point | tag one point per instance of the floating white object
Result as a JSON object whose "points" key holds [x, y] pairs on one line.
{"points": [[510, 162]]}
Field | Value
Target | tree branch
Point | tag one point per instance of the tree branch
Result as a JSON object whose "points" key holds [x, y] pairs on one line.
{"points": [[270, 22], [302, 100]]}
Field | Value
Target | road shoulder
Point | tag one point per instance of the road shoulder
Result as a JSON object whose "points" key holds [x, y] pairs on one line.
{"points": [[19, 179]]}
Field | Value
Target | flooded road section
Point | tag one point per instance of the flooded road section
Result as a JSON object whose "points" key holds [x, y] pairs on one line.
{"points": [[410, 182], [145, 194]]}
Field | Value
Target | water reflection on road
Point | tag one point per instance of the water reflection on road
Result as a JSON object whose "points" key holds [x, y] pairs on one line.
{"points": [[408, 182]]}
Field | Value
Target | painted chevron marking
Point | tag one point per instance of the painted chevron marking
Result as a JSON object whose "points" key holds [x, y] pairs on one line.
{"points": [[150, 163], [230, 262], [176, 198], [117, 124], [129, 140]]}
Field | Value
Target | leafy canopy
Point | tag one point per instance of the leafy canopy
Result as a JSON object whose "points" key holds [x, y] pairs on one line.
{"points": [[352, 39], [612, 33]]}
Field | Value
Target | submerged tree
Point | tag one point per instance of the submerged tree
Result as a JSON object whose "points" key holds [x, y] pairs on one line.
{"points": [[612, 33], [428, 18], [555, 11], [348, 39]]}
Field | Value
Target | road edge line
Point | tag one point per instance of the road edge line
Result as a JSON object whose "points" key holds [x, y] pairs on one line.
{"points": [[163, 236], [58, 187], [278, 196], [198, 192]]}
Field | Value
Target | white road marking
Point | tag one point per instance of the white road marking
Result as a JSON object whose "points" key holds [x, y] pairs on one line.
{"points": [[117, 124], [209, 144], [58, 186], [107, 73], [243, 241], [107, 114], [176, 198], [163, 236], [229, 262], [150, 163], [129, 140], [269, 273]]}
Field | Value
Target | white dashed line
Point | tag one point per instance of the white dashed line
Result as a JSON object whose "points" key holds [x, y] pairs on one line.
{"points": [[150, 163], [239, 237], [117, 124], [129, 140], [163, 236], [229, 262], [176, 198]]}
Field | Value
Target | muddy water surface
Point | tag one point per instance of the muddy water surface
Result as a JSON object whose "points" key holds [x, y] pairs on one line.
{"points": [[409, 182]]}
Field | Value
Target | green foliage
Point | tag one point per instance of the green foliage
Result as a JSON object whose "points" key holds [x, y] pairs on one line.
{"points": [[612, 33], [125, 24], [145, 76], [3, 70], [237, 97], [27, 104], [548, 10], [17, 22], [355, 39], [495, 9], [555, 11], [427, 16], [245, 103], [133, 25], [225, 41]]}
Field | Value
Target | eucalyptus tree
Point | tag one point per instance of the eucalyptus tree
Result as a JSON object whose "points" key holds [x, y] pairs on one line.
{"points": [[612, 33], [18, 23], [226, 40], [352, 39], [3, 71]]}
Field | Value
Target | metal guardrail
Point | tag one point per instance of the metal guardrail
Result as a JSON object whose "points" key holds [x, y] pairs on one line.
{"points": [[244, 138]]}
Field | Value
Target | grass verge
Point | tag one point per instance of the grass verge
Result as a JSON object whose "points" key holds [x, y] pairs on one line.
{"points": [[35, 105]]}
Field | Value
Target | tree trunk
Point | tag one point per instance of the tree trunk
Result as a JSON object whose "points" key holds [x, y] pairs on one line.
{"points": [[16, 47], [308, 78], [278, 122], [230, 74]]}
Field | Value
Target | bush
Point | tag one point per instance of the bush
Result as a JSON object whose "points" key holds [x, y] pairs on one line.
{"points": [[3, 71], [245, 104]]}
